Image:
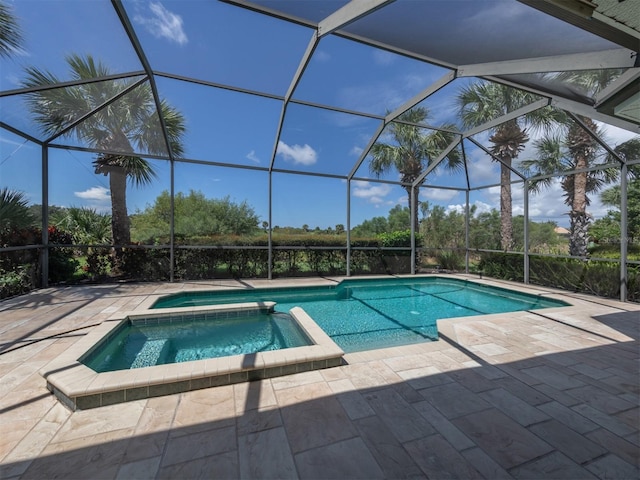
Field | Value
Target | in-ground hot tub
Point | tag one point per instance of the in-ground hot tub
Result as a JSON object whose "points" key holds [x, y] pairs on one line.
{"points": [[73, 378]]}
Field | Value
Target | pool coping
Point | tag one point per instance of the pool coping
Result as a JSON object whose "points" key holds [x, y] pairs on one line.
{"points": [[79, 387]]}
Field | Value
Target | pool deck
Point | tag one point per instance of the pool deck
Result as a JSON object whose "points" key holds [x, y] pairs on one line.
{"points": [[551, 393]]}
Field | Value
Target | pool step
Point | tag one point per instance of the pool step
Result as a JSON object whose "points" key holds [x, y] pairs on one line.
{"points": [[150, 353]]}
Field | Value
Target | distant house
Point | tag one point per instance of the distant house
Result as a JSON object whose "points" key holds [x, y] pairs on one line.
{"points": [[561, 231]]}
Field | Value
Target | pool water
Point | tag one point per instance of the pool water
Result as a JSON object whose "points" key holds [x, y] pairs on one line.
{"points": [[175, 341], [375, 313]]}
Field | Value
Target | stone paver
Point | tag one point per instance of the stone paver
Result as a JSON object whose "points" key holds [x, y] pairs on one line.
{"points": [[506, 396]]}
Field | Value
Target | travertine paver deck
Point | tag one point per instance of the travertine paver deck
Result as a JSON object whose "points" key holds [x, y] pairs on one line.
{"points": [[545, 394]]}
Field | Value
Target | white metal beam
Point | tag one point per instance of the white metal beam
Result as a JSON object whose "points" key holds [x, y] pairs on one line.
{"points": [[617, 58], [436, 162], [596, 137], [302, 66], [352, 11], [430, 90], [590, 112], [311, 46], [588, 19], [365, 152], [615, 87], [495, 158], [579, 108]]}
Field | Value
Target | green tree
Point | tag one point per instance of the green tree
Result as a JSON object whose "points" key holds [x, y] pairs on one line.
{"points": [[10, 32], [195, 215], [371, 227], [85, 224], [54, 212], [412, 151], [629, 151], [542, 235], [606, 229], [399, 218], [126, 125], [445, 229], [482, 102], [612, 198], [572, 147], [485, 230]]}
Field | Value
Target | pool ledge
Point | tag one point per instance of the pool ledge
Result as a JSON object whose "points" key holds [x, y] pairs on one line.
{"points": [[78, 387]]}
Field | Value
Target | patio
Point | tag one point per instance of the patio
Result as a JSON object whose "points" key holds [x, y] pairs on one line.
{"points": [[544, 394]]}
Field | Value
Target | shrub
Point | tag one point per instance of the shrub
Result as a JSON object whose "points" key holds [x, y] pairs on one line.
{"points": [[450, 260], [502, 265], [571, 274], [399, 238], [148, 264], [16, 282], [62, 264], [99, 262]]}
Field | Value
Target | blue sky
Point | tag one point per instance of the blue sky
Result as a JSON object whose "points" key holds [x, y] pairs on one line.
{"points": [[227, 45]]}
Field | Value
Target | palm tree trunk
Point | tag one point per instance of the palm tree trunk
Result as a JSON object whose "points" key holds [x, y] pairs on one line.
{"points": [[581, 147], [579, 237], [414, 193], [506, 205], [119, 217]]}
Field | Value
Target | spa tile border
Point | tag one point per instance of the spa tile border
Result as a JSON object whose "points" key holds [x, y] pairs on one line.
{"points": [[78, 387]]}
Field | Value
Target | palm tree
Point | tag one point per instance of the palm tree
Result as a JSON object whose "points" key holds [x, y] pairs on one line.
{"points": [[573, 147], [14, 210], [86, 224], [130, 121], [10, 33], [412, 151], [567, 152], [484, 101]]}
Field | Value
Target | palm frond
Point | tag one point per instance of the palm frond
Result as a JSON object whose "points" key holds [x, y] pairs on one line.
{"points": [[551, 157], [14, 210], [10, 32], [590, 81], [629, 151]]}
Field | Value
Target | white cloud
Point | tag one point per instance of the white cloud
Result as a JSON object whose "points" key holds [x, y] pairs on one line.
{"points": [[321, 56], [482, 169], [14, 80], [383, 58], [297, 154], [371, 193], [546, 205], [253, 157], [356, 151], [481, 207], [163, 24], [614, 135], [97, 198], [438, 194], [17, 145], [378, 95], [12, 142], [95, 194]]}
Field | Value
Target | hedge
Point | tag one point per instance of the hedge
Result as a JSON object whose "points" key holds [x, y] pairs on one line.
{"points": [[583, 276]]}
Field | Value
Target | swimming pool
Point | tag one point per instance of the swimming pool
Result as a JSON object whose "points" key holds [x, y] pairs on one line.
{"points": [[185, 338], [78, 386], [366, 314]]}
